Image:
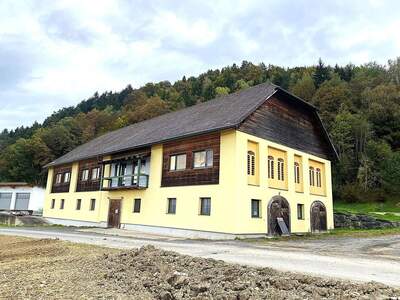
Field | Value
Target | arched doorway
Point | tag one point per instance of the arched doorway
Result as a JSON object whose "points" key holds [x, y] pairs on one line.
{"points": [[318, 217], [278, 207]]}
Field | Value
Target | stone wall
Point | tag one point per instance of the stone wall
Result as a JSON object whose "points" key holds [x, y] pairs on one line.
{"points": [[357, 221]]}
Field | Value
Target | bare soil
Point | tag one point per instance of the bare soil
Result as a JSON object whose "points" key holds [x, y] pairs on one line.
{"points": [[51, 269]]}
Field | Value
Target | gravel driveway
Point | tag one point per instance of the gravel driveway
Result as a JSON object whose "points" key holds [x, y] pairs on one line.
{"points": [[366, 259]]}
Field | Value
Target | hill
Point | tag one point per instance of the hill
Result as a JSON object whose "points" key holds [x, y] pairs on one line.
{"points": [[360, 106]]}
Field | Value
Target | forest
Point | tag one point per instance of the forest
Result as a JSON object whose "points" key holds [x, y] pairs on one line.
{"points": [[359, 105]]}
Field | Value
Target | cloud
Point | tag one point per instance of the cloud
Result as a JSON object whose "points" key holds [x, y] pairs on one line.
{"points": [[57, 53]]}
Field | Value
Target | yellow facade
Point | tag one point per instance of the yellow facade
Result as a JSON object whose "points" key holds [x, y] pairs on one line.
{"points": [[317, 177], [298, 173], [230, 199], [278, 170]]}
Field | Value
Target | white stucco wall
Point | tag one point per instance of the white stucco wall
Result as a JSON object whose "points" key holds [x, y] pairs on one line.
{"points": [[36, 199]]}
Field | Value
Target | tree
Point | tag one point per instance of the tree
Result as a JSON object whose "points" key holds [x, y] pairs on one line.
{"points": [[304, 88], [390, 170], [331, 95], [153, 107], [23, 161], [221, 91], [321, 74]]}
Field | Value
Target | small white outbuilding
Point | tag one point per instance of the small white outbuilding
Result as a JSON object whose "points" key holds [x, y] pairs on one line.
{"points": [[21, 196]]}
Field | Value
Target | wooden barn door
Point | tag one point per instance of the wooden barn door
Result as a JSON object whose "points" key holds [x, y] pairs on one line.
{"points": [[114, 213], [278, 208], [318, 217]]}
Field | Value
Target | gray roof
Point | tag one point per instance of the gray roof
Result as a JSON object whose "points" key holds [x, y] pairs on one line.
{"points": [[217, 114]]}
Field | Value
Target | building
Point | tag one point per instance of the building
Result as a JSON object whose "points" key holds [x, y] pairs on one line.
{"points": [[21, 196], [242, 164]]}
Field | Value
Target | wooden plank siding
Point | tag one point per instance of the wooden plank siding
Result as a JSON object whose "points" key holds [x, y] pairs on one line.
{"points": [[61, 187], [191, 176], [88, 185], [285, 122]]}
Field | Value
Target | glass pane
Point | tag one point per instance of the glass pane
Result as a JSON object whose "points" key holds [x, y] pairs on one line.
{"points": [[200, 159], [209, 158], [172, 162], [181, 162], [5, 200]]}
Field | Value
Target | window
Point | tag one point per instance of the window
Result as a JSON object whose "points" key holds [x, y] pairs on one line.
{"points": [[22, 201], [318, 177], [95, 173], [62, 204], [5, 200], [281, 169], [92, 204], [205, 206], [311, 171], [171, 206], [251, 163], [300, 211], [270, 167], [58, 178], [67, 176], [203, 159], [53, 203], [177, 162], [296, 172], [136, 205], [78, 204], [255, 208], [85, 175]]}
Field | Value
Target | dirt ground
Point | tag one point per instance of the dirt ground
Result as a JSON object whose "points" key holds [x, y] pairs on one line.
{"points": [[51, 269]]}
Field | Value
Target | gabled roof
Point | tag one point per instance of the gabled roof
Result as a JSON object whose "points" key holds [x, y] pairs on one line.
{"points": [[217, 114]]}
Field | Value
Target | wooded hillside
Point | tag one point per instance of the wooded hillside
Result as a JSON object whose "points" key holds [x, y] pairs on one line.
{"points": [[360, 106]]}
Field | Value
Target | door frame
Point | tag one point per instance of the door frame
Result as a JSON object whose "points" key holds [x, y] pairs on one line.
{"points": [[321, 204], [110, 201], [273, 199]]}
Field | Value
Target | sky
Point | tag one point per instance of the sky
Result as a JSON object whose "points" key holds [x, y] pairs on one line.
{"points": [[57, 53]]}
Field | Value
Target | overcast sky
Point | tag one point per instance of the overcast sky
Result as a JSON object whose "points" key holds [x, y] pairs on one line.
{"points": [[57, 53]]}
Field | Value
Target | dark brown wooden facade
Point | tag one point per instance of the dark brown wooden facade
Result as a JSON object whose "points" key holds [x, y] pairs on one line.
{"points": [[287, 122], [89, 184], [191, 176], [62, 187]]}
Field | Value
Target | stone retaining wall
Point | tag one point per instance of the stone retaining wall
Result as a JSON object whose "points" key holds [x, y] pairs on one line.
{"points": [[358, 221]]}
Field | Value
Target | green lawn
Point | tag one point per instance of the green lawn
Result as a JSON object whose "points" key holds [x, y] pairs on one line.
{"points": [[388, 210]]}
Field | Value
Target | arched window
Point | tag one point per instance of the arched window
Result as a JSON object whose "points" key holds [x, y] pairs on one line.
{"points": [[251, 163], [296, 172], [281, 168], [318, 177], [312, 176], [271, 167]]}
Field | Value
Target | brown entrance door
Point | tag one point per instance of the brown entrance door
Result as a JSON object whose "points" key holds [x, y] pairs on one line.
{"points": [[318, 217], [114, 213]]}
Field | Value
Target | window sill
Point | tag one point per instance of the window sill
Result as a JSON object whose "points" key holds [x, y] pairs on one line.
{"points": [[276, 188], [317, 194], [202, 168]]}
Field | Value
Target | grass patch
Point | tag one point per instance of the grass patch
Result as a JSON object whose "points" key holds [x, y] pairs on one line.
{"points": [[340, 232], [388, 210]]}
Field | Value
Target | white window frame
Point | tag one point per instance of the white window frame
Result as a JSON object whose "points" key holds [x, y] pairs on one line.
{"points": [[96, 172], [281, 169], [173, 162], [251, 163], [85, 175], [67, 177], [208, 157], [271, 167], [297, 172]]}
